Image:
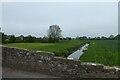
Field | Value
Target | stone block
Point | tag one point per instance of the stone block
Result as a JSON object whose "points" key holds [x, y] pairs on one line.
{"points": [[108, 69], [92, 67]]}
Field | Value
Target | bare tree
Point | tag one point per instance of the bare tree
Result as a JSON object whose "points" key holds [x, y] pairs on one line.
{"points": [[54, 33], [111, 36]]}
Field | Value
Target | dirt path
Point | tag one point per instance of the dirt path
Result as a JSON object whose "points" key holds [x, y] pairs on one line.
{"points": [[10, 73]]}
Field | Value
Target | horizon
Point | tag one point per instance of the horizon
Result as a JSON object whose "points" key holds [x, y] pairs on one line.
{"points": [[61, 37]]}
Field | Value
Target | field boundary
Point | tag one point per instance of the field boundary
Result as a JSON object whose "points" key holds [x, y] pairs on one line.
{"points": [[45, 62]]}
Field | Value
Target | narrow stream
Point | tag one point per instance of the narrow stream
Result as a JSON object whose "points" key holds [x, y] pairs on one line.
{"points": [[76, 55]]}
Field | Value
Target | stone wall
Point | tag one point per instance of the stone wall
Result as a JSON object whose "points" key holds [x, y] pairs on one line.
{"points": [[46, 62]]}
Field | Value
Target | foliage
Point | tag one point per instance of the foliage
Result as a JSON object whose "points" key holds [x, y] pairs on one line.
{"points": [[30, 38], [12, 39], [54, 33]]}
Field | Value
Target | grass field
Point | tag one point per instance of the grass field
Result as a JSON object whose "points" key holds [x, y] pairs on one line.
{"points": [[99, 51], [102, 51], [60, 49]]}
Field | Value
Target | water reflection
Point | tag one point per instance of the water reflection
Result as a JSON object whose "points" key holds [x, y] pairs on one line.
{"points": [[76, 55]]}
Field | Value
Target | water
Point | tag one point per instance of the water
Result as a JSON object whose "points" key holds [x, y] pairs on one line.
{"points": [[76, 55]]}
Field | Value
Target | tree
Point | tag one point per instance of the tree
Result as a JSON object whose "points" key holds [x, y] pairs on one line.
{"points": [[77, 37], [12, 39], [103, 38], [117, 37], [21, 38], [1, 37], [97, 38], [111, 37], [54, 33], [29, 38], [18, 40]]}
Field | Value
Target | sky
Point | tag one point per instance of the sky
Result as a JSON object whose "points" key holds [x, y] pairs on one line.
{"points": [[60, 0], [74, 18]]}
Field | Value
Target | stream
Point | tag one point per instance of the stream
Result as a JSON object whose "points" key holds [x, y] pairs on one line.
{"points": [[76, 55]]}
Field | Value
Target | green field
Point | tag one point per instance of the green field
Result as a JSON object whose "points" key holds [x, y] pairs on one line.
{"points": [[99, 51], [60, 49], [102, 51]]}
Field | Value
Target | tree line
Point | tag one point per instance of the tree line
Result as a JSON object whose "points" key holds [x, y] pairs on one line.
{"points": [[111, 37], [30, 39], [54, 35]]}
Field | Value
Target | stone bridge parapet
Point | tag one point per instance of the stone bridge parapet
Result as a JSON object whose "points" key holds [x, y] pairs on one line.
{"points": [[46, 62]]}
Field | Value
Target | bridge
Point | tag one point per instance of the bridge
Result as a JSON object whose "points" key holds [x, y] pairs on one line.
{"points": [[39, 64]]}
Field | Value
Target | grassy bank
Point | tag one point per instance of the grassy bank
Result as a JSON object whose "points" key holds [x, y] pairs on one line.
{"points": [[102, 51], [60, 49]]}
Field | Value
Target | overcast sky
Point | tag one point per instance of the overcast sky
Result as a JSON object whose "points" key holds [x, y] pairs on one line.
{"points": [[75, 19]]}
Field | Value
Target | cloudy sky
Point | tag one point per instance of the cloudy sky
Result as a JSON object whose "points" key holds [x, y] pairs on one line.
{"points": [[74, 18]]}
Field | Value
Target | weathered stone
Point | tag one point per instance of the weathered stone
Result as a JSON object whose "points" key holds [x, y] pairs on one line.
{"points": [[108, 69], [45, 62], [92, 67]]}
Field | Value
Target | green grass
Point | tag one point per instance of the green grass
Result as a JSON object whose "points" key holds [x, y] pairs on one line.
{"points": [[60, 49], [102, 51], [99, 51]]}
